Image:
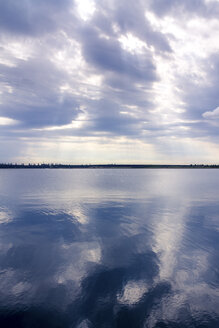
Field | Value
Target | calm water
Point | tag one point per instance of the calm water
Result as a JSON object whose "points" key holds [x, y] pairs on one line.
{"points": [[109, 248]]}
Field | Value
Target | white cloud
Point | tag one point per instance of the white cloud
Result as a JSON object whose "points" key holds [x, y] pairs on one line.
{"points": [[85, 8], [7, 121], [214, 114]]}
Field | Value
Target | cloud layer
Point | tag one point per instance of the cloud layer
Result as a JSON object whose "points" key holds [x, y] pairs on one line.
{"points": [[82, 77]]}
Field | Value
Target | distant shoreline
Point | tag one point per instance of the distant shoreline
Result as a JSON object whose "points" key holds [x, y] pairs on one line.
{"points": [[107, 166]]}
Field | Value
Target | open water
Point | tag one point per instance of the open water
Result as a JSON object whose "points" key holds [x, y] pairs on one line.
{"points": [[109, 248]]}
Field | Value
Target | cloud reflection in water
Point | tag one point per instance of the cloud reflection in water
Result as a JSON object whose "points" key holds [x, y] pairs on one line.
{"points": [[131, 248]]}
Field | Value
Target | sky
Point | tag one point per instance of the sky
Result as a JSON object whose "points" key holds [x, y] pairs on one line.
{"points": [[108, 81]]}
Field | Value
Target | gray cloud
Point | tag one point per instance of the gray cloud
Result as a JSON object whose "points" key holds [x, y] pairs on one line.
{"points": [[201, 97], [29, 17], [108, 55], [130, 16], [35, 101], [185, 7]]}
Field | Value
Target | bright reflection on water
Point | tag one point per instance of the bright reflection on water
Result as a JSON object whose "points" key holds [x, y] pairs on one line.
{"points": [[109, 248]]}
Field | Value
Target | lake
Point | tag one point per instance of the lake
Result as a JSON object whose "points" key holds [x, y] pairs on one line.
{"points": [[109, 248]]}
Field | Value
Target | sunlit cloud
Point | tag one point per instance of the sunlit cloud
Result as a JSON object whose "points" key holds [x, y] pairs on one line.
{"points": [[85, 8], [7, 121], [214, 114], [131, 43]]}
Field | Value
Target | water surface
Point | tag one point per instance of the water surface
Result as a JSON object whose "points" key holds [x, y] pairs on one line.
{"points": [[109, 248]]}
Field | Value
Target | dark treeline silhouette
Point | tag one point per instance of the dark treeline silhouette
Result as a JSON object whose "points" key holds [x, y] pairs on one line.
{"points": [[104, 166]]}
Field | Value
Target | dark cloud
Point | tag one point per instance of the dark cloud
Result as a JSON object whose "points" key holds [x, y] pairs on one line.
{"points": [[29, 17], [108, 55], [201, 96], [106, 116], [194, 7], [52, 114], [130, 16], [35, 101]]}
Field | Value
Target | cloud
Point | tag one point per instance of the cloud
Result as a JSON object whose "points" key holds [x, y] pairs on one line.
{"points": [[34, 100], [27, 17], [131, 17], [7, 121], [200, 90], [214, 114], [185, 7], [107, 55], [136, 70]]}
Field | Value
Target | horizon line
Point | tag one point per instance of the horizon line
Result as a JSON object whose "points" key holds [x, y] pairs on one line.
{"points": [[109, 165]]}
